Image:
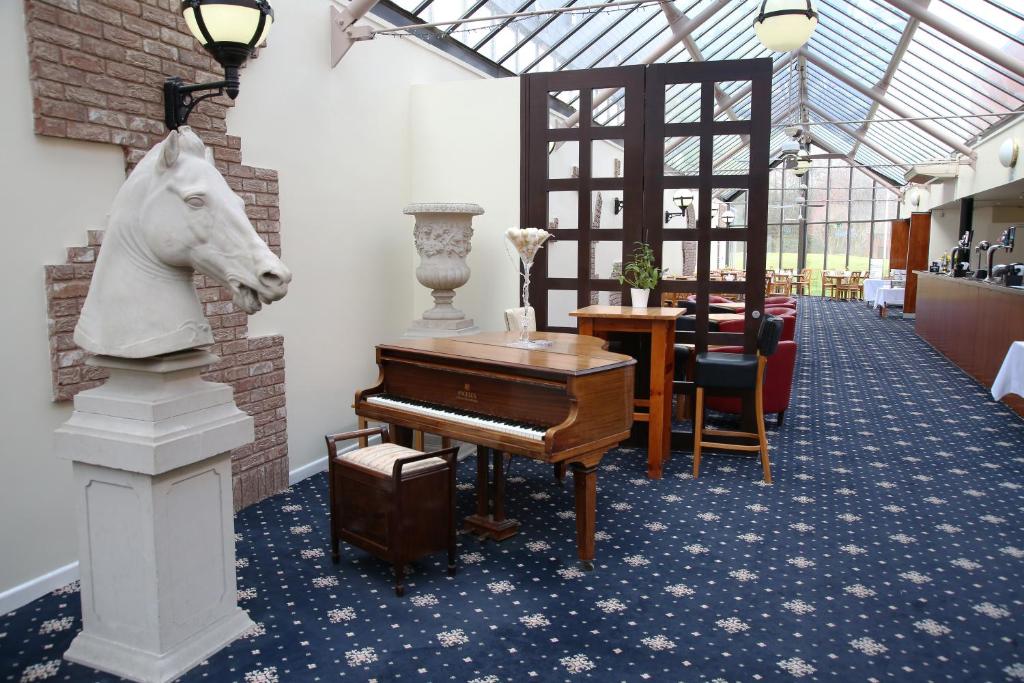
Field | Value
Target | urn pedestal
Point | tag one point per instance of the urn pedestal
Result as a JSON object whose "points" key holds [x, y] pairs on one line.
{"points": [[150, 450], [443, 236]]}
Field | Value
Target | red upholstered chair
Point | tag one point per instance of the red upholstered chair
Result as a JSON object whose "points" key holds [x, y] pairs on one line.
{"points": [[731, 326], [712, 298], [788, 327], [780, 301], [778, 383], [779, 310]]}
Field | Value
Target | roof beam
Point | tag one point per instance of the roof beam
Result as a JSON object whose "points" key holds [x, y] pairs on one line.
{"points": [[975, 43], [855, 134], [686, 25], [894, 63], [875, 94]]}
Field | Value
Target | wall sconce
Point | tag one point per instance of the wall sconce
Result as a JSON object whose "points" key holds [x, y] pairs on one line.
{"points": [[230, 30], [617, 206], [727, 215], [784, 25], [682, 199], [1008, 152]]}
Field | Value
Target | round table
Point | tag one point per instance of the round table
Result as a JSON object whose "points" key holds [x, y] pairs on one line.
{"points": [[871, 287], [888, 296]]}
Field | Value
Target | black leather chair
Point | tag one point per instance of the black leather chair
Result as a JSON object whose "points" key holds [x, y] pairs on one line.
{"points": [[739, 373]]}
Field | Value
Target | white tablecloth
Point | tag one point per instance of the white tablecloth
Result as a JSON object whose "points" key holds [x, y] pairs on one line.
{"points": [[889, 296], [871, 287], [1010, 379]]}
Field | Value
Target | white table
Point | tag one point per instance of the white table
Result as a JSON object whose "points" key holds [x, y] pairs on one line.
{"points": [[871, 287], [888, 296], [1010, 379]]}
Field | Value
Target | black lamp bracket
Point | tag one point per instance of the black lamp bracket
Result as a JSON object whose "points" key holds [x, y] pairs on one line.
{"points": [[180, 99], [669, 215], [762, 15]]}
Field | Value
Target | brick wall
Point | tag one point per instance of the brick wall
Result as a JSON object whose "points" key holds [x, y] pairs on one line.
{"points": [[97, 69]]}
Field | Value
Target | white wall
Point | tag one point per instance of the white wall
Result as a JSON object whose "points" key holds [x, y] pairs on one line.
{"points": [[342, 141], [465, 148], [53, 191]]}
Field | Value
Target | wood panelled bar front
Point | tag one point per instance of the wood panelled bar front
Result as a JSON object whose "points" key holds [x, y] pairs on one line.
{"points": [[971, 323]]}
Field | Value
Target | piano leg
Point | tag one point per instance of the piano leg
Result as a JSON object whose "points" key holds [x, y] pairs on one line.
{"points": [[584, 474], [484, 524], [560, 472]]}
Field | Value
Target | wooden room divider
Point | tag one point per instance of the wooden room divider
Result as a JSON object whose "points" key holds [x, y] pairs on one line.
{"points": [[595, 174]]}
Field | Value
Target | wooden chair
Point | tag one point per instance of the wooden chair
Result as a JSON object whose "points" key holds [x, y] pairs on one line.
{"points": [[829, 284], [799, 284], [735, 373], [852, 288], [781, 284], [394, 502]]}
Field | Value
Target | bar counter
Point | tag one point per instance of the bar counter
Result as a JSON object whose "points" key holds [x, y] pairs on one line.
{"points": [[971, 323]]}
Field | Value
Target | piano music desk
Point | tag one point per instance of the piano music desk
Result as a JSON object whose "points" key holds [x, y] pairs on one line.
{"points": [[660, 325]]}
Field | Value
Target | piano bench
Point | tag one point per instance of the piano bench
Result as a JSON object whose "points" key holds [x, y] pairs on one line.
{"points": [[395, 503]]}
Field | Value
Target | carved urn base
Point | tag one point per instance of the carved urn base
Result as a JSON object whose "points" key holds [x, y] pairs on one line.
{"points": [[443, 235]]}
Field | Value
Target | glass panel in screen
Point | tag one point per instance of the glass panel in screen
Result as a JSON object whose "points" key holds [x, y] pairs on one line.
{"points": [[682, 103], [682, 156], [564, 159], [559, 113], [728, 261], [562, 258], [606, 158], [605, 259], [563, 210], [603, 205], [731, 155], [741, 109], [610, 112], [679, 259], [608, 299], [561, 302], [773, 244], [730, 208]]}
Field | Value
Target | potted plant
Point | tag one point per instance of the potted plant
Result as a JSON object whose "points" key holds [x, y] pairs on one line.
{"points": [[641, 274]]}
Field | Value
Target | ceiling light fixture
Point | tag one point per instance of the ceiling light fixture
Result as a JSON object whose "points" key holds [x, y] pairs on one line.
{"points": [[785, 25]]}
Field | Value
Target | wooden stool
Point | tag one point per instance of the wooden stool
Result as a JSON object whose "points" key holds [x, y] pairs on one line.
{"points": [[394, 502], [735, 372]]}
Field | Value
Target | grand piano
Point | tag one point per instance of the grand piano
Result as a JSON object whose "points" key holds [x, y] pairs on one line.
{"points": [[567, 405]]}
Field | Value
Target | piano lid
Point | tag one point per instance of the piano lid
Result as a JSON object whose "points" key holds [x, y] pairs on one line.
{"points": [[570, 354]]}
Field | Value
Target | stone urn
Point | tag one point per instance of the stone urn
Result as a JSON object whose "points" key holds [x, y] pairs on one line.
{"points": [[443, 234]]}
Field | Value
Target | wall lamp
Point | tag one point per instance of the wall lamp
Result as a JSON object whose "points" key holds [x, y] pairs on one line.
{"points": [[230, 30], [682, 199], [727, 215]]}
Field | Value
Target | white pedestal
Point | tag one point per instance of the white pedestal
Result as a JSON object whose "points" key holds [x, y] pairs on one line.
{"points": [[152, 473]]}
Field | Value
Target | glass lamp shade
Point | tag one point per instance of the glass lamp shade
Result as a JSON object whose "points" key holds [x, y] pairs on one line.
{"points": [[727, 216], [682, 200], [228, 29], [803, 165], [785, 25]]}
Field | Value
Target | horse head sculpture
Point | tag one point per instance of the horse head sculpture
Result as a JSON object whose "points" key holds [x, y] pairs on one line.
{"points": [[174, 215]]}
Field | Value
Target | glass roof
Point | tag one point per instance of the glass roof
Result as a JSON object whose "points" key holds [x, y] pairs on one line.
{"points": [[933, 76]]}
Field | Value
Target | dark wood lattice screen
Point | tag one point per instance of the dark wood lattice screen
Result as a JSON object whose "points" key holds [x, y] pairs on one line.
{"points": [[663, 121], [584, 183]]}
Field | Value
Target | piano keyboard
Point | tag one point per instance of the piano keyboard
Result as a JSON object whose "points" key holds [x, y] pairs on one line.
{"points": [[520, 429]]}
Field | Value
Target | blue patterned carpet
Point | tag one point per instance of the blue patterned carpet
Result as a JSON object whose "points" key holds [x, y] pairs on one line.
{"points": [[888, 549]]}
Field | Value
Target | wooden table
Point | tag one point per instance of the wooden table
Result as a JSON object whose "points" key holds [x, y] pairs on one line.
{"points": [[734, 306], [660, 324]]}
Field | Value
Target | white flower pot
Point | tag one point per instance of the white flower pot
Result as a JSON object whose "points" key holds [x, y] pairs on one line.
{"points": [[639, 297]]}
